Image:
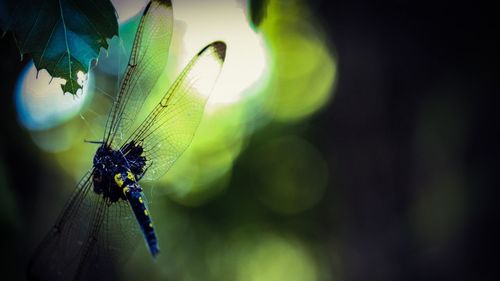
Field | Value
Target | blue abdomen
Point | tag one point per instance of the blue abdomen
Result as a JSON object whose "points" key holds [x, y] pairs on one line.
{"points": [[141, 212]]}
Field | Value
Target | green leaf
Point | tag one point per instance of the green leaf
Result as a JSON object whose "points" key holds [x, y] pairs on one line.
{"points": [[62, 36]]}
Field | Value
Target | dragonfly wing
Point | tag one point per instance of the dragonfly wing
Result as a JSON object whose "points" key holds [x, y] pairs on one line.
{"points": [[169, 129], [88, 240], [146, 63], [57, 257], [114, 242]]}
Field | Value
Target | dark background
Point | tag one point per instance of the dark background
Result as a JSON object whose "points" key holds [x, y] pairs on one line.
{"points": [[414, 110], [401, 62]]}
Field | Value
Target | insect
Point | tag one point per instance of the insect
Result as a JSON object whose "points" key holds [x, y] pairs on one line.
{"points": [[98, 225]]}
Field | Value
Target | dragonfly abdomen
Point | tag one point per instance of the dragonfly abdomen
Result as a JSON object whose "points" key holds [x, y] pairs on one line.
{"points": [[135, 197]]}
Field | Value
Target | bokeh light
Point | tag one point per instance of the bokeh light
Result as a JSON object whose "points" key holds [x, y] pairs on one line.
{"points": [[40, 101], [303, 69], [199, 22], [269, 257]]}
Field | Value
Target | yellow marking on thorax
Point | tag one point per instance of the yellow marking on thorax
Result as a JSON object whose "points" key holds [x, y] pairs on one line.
{"points": [[126, 190], [119, 180], [130, 176], [151, 225], [140, 200], [146, 212]]}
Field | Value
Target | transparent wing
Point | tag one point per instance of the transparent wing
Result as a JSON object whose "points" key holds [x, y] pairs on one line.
{"points": [[59, 253], [169, 129], [88, 240], [146, 63], [114, 242]]}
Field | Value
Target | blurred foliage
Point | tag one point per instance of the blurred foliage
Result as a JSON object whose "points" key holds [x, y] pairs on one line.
{"points": [[62, 37], [303, 69]]}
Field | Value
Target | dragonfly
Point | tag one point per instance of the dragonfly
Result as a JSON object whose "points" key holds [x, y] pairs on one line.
{"points": [[108, 211]]}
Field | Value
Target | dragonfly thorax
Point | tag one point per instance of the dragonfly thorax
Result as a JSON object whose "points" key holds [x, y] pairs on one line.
{"points": [[109, 162]]}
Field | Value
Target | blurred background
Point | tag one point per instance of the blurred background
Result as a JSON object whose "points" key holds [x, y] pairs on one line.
{"points": [[345, 140]]}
